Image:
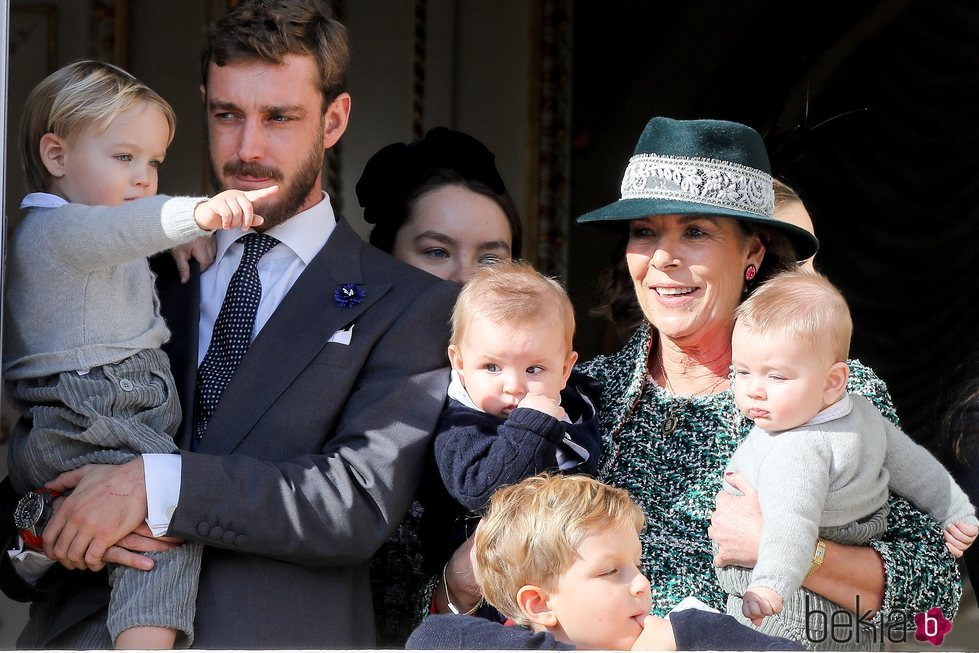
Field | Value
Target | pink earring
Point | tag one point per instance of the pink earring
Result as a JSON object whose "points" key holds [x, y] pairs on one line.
{"points": [[750, 273]]}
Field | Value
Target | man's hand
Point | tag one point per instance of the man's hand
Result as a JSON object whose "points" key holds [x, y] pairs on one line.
{"points": [[760, 602], [736, 524], [203, 250], [959, 537], [108, 502]]}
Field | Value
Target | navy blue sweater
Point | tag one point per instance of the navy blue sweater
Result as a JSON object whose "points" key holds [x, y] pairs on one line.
{"points": [[477, 453], [693, 630]]}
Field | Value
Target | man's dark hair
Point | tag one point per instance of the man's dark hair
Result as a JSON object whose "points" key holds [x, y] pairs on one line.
{"points": [[268, 30]]}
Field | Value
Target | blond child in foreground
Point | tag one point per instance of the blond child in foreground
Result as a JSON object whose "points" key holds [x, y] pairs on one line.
{"points": [[560, 556], [821, 460], [81, 351]]}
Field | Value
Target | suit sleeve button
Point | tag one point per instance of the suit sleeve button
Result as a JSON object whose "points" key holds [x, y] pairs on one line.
{"points": [[203, 529], [241, 540], [228, 537], [217, 532]]}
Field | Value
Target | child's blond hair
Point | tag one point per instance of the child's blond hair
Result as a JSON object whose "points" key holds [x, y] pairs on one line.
{"points": [[512, 294], [532, 530], [804, 305], [83, 93]]}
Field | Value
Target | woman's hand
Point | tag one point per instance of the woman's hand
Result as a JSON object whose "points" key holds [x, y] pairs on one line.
{"points": [[461, 582], [736, 524]]}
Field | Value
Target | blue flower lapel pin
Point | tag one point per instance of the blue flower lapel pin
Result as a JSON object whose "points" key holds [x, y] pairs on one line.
{"points": [[349, 294]]}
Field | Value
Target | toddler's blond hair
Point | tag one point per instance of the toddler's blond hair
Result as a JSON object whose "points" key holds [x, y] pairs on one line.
{"points": [[512, 294], [804, 305], [532, 530], [83, 93]]}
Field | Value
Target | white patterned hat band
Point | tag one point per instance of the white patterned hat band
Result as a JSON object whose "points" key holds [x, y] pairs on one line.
{"points": [[705, 181], [711, 168]]}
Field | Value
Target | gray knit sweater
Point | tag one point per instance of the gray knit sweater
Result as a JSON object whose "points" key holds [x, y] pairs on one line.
{"points": [[832, 474], [79, 292]]}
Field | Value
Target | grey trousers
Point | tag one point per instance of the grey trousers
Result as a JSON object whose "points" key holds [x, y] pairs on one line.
{"points": [[807, 617], [111, 415]]}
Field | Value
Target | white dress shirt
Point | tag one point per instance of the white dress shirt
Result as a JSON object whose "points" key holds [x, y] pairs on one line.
{"points": [[301, 237]]}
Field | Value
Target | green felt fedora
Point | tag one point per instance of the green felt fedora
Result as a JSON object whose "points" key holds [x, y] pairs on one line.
{"points": [[701, 167]]}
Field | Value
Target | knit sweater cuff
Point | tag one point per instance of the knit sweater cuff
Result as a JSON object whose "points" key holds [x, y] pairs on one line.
{"points": [[540, 423], [178, 218]]}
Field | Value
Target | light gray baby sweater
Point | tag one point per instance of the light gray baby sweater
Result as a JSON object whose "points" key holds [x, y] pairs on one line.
{"points": [[832, 474], [79, 291]]}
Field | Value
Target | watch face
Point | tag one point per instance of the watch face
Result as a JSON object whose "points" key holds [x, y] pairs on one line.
{"points": [[28, 510]]}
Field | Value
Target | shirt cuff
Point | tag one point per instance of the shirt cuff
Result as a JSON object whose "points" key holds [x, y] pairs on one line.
{"points": [[162, 474], [29, 565]]}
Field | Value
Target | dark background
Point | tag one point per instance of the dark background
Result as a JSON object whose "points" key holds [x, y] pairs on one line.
{"points": [[869, 111]]}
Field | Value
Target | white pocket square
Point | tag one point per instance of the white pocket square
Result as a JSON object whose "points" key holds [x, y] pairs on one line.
{"points": [[342, 336]]}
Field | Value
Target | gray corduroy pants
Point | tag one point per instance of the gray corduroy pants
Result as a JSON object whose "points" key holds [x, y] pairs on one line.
{"points": [[110, 415]]}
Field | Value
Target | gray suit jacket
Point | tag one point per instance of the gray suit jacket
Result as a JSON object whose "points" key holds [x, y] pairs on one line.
{"points": [[314, 452]]}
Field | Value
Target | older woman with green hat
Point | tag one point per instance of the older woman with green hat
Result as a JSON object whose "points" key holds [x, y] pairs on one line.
{"points": [[698, 233]]}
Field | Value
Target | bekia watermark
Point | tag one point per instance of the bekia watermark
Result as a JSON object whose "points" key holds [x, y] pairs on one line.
{"points": [[842, 626], [932, 626]]}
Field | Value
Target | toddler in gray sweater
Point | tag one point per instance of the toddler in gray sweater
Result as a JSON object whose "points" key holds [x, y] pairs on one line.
{"points": [[822, 461], [82, 360]]}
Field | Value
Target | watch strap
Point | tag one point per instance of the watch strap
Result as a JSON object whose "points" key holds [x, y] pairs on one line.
{"points": [[817, 557]]}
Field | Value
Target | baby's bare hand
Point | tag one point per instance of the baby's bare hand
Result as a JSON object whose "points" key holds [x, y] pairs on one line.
{"points": [[232, 208], [544, 404], [959, 537], [760, 602]]}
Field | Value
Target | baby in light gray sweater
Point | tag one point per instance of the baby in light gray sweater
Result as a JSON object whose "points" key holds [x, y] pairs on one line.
{"points": [[823, 462], [82, 360]]}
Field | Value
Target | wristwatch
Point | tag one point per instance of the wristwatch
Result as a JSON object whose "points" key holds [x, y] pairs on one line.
{"points": [[31, 515], [817, 557]]}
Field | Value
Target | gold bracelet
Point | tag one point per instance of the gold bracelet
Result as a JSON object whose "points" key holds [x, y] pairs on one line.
{"points": [[817, 557], [448, 599]]}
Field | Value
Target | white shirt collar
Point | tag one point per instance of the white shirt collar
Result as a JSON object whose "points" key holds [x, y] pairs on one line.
{"points": [[842, 408], [42, 201], [458, 392], [304, 233]]}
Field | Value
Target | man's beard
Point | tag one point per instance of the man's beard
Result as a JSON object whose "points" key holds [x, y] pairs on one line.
{"points": [[287, 200]]}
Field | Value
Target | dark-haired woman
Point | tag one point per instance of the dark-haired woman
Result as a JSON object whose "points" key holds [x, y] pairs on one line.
{"points": [[440, 205]]}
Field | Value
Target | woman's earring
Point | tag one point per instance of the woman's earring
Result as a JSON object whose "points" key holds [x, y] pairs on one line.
{"points": [[750, 273]]}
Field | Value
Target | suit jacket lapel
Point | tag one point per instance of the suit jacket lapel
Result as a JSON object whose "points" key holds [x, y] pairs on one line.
{"points": [[297, 331], [180, 308]]}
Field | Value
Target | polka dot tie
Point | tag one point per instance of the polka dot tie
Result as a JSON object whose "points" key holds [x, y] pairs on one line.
{"points": [[232, 330]]}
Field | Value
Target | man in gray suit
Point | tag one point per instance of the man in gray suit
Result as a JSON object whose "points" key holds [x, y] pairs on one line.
{"points": [[313, 451]]}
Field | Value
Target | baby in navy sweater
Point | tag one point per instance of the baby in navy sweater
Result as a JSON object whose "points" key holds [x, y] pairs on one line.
{"points": [[515, 407]]}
